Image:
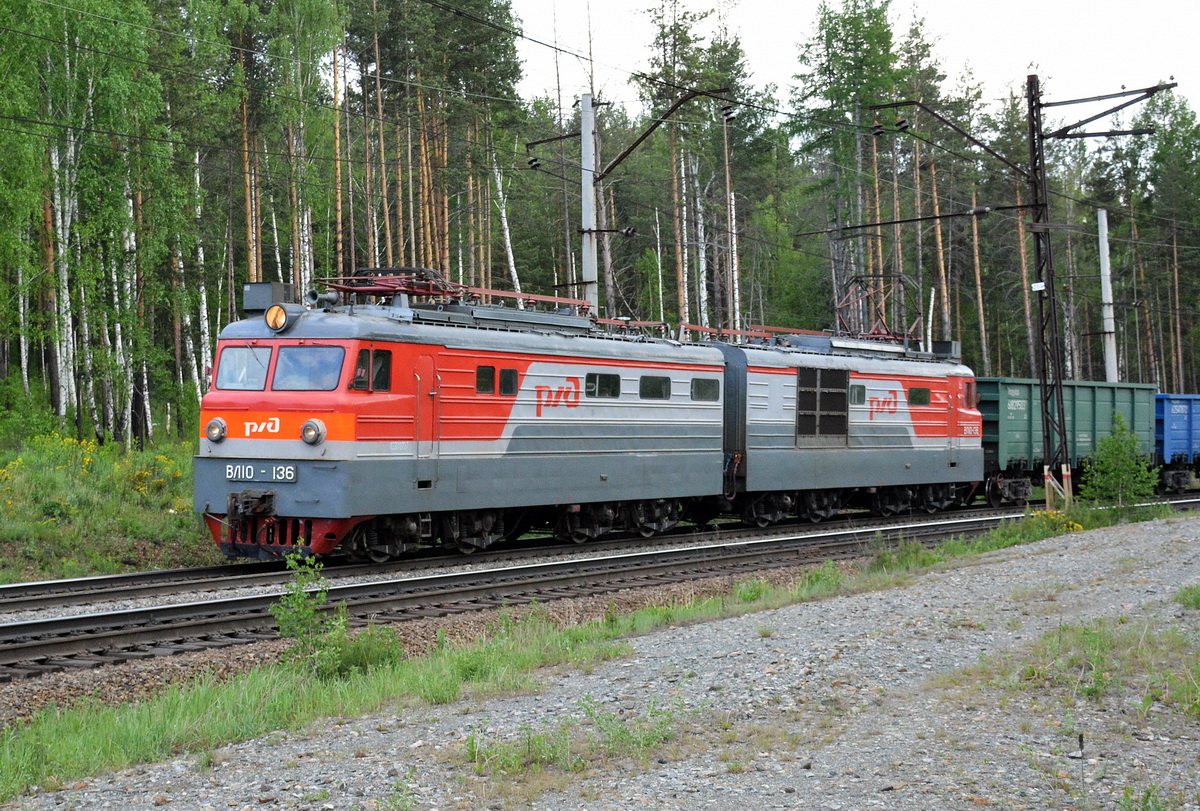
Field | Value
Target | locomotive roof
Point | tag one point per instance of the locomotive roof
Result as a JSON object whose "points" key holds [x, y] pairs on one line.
{"points": [[489, 326]]}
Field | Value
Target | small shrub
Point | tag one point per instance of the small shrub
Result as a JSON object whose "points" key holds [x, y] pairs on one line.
{"points": [[1188, 597], [325, 645], [298, 612], [1118, 474]]}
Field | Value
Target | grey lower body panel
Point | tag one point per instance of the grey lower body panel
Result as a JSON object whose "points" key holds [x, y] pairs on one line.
{"points": [[356, 487], [825, 468]]}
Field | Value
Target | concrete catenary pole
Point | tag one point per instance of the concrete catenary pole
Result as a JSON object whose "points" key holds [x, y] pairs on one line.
{"points": [[1108, 321], [587, 227]]}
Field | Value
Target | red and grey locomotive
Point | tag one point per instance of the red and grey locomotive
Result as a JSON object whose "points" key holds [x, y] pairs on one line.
{"points": [[427, 417]]}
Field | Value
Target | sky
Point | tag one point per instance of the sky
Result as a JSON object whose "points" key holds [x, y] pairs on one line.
{"points": [[1078, 48]]}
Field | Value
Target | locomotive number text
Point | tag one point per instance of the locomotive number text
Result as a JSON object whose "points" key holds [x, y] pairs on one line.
{"points": [[246, 472]]}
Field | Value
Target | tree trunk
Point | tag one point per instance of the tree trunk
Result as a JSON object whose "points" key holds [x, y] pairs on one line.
{"points": [[383, 180], [252, 271], [340, 264], [681, 287], [1148, 331], [702, 274], [983, 340], [1030, 345], [502, 207], [943, 284]]}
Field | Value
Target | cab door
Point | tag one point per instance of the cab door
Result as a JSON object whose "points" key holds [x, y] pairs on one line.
{"points": [[427, 384]]}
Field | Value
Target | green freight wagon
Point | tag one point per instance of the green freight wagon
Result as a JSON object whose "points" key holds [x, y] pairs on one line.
{"points": [[1013, 454]]}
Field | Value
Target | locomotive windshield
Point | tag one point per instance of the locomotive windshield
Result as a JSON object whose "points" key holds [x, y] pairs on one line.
{"points": [[308, 368], [243, 368]]}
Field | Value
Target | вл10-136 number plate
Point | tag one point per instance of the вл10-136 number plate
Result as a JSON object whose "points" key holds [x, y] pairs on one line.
{"points": [[248, 472]]}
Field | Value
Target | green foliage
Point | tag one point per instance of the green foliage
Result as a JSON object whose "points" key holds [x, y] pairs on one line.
{"points": [[905, 556], [324, 645], [1118, 474], [1108, 657], [571, 747], [298, 612], [70, 508], [1148, 799], [1189, 597], [750, 591]]}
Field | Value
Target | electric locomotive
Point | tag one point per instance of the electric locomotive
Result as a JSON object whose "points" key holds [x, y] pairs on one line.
{"points": [[415, 414]]}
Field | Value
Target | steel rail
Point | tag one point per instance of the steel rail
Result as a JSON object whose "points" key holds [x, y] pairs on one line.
{"points": [[36, 646], [21, 597]]}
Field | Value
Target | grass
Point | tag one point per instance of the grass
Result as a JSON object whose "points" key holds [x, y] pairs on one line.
{"points": [[1189, 597], [571, 745], [1101, 659], [71, 508]]}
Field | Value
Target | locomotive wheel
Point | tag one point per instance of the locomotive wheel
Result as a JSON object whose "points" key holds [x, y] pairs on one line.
{"points": [[378, 556], [993, 494], [467, 548]]}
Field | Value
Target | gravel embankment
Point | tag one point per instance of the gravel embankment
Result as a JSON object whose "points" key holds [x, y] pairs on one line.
{"points": [[856, 702]]}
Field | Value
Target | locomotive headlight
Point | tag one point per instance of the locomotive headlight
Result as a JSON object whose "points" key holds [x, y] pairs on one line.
{"points": [[276, 317], [215, 430], [313, 432]]}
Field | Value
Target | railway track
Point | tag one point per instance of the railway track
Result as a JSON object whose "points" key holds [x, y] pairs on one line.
{"points": [[36, 647], [18, 598]]}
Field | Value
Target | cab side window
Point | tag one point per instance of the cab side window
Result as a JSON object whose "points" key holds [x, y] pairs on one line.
{"points": [[372, 370], [381, 370]]}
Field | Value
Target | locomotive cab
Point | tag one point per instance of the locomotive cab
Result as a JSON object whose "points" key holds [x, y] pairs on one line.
{"points": [[288, 399]]}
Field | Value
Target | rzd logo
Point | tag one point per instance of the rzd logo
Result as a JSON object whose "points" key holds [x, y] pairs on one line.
{"points": [[567, 395], [270, 426], [883, 405]]}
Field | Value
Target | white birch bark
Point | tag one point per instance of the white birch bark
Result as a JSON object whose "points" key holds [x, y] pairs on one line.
{"points": [[685, 316], [502, 206], [206, 348], [23, 327], [89, 387], [147, 413], [106, 386], [701, 254], [64, 169], [121, 399], [185, 314]]}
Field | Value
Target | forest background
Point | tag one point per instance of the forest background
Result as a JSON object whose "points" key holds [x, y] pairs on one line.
{"points": [[157, 156]]}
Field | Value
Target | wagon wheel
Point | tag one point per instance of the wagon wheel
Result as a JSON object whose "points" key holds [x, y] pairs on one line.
{"points": [[993, 494]]}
